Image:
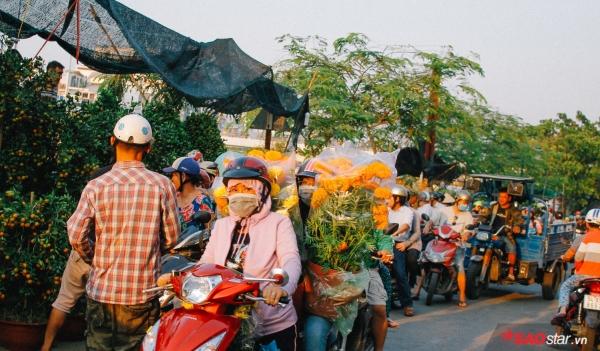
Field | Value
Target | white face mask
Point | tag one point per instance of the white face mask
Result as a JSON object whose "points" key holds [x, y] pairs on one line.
{"points": [[242, 205], [305, 193]]}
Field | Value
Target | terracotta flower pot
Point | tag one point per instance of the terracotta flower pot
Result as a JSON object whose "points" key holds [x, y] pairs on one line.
{"points": [[17, 336]]}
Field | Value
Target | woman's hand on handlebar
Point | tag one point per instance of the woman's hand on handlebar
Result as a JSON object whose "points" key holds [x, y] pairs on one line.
{"points": [[272, 294]]}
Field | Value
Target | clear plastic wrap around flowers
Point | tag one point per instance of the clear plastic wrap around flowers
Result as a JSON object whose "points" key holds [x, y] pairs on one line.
{"points": [[347, 206], [333, 295]]}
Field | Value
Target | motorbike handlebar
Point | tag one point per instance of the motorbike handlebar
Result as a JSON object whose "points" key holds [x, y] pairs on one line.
{"points": [[158, 288], [500, 230], [283, 301]]}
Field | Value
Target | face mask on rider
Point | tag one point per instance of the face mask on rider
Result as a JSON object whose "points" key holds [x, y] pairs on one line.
{"points": [[305, 193], [242, 205], [463, 207]]}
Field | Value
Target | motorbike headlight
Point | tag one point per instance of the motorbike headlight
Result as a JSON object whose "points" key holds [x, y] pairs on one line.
{"points": [[197, 289], [436, 257], [483, 236], [149, 343], [212, 344]]}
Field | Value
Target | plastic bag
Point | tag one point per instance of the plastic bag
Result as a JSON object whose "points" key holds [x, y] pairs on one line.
{"points": [[333, 295]]}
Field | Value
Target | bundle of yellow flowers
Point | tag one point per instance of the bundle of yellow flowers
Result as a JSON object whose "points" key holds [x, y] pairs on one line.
{"points": [[220, 195]]}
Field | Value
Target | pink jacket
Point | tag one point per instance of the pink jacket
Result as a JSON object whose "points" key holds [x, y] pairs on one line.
{"points": [[272, 244]]}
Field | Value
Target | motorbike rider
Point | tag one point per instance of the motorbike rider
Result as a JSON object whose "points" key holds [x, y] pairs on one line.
{"points": [[459, 217], [306, 181], [407, 247], [316, 328], [437, 200], [254, 240], [212, 169], [504, 213], [579, 222], [185, 173], [433, 209], [587, 263]]}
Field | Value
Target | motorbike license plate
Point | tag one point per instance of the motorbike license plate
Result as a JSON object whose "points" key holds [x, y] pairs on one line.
{"points": [[591, 302]]}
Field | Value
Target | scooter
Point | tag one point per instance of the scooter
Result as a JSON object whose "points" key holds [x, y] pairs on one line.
{"points": [[187, 251], [205, 321], [582, 320], [437, 261]]}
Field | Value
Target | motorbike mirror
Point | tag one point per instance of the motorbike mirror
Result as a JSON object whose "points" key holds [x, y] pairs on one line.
{"points": [[280, 276], [202, 217], [425, 217], [391, 228]]}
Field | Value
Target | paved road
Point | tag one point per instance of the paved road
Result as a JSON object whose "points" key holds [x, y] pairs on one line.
{"points": [[443, 326]]}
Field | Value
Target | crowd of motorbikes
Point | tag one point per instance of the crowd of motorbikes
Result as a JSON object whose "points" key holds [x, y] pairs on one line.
{"points": [[204, 297]]}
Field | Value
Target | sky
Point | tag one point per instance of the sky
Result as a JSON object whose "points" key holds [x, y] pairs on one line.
{"points": [[540, 57]]}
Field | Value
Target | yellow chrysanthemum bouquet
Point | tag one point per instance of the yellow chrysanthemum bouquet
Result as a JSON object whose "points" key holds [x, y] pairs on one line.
{"points": [[347, 208], [348, 204]]}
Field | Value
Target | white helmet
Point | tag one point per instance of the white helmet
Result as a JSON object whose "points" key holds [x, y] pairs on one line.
{"points": [[593, 216], [399, 190], [133, 129]]}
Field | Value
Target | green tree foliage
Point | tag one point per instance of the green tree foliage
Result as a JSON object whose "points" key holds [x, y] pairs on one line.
{"points": [[571, 158], [29, 136], [204, 134], [373, 97], [486, 141]]}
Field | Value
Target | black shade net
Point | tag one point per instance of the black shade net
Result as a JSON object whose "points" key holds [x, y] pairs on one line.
{"points": [[117, 40]]}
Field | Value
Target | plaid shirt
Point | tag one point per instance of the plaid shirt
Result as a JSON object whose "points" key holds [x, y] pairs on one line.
{"points": [[134, 213]]}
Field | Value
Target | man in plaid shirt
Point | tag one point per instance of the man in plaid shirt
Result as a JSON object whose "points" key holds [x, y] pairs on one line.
{"points": [[134, 214]]}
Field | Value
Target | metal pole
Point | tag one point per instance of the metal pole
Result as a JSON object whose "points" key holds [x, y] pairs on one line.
{"points": [[269, 130]]}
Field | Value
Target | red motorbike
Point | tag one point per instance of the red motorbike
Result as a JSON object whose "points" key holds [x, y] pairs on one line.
{"points": [[581, 324], [437, 260], [205, 321]]}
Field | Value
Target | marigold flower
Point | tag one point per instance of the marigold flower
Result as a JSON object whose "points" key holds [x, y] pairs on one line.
{"points": [[321, 168], [275, 172], [275, 189], [318, 197], [382, 193], [220, 192], [257, 153], [371, 185], [329, 184], [272, 155], [290, 202], [341, 163]]}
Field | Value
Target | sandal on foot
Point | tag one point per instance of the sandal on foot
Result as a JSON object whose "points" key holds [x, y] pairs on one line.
{"points": [[409, 311], [462, 304]]}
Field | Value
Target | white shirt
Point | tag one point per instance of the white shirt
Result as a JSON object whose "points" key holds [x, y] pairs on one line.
{"points": [[404, 215], [458, 221], [438, 216]]}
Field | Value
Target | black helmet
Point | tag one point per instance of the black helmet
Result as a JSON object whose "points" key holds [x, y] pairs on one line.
{"points": [[307, 170], [247, 167], [438, 196]]}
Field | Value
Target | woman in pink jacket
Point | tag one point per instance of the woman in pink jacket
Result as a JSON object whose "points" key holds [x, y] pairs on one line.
{"points": [[254, 240]]}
